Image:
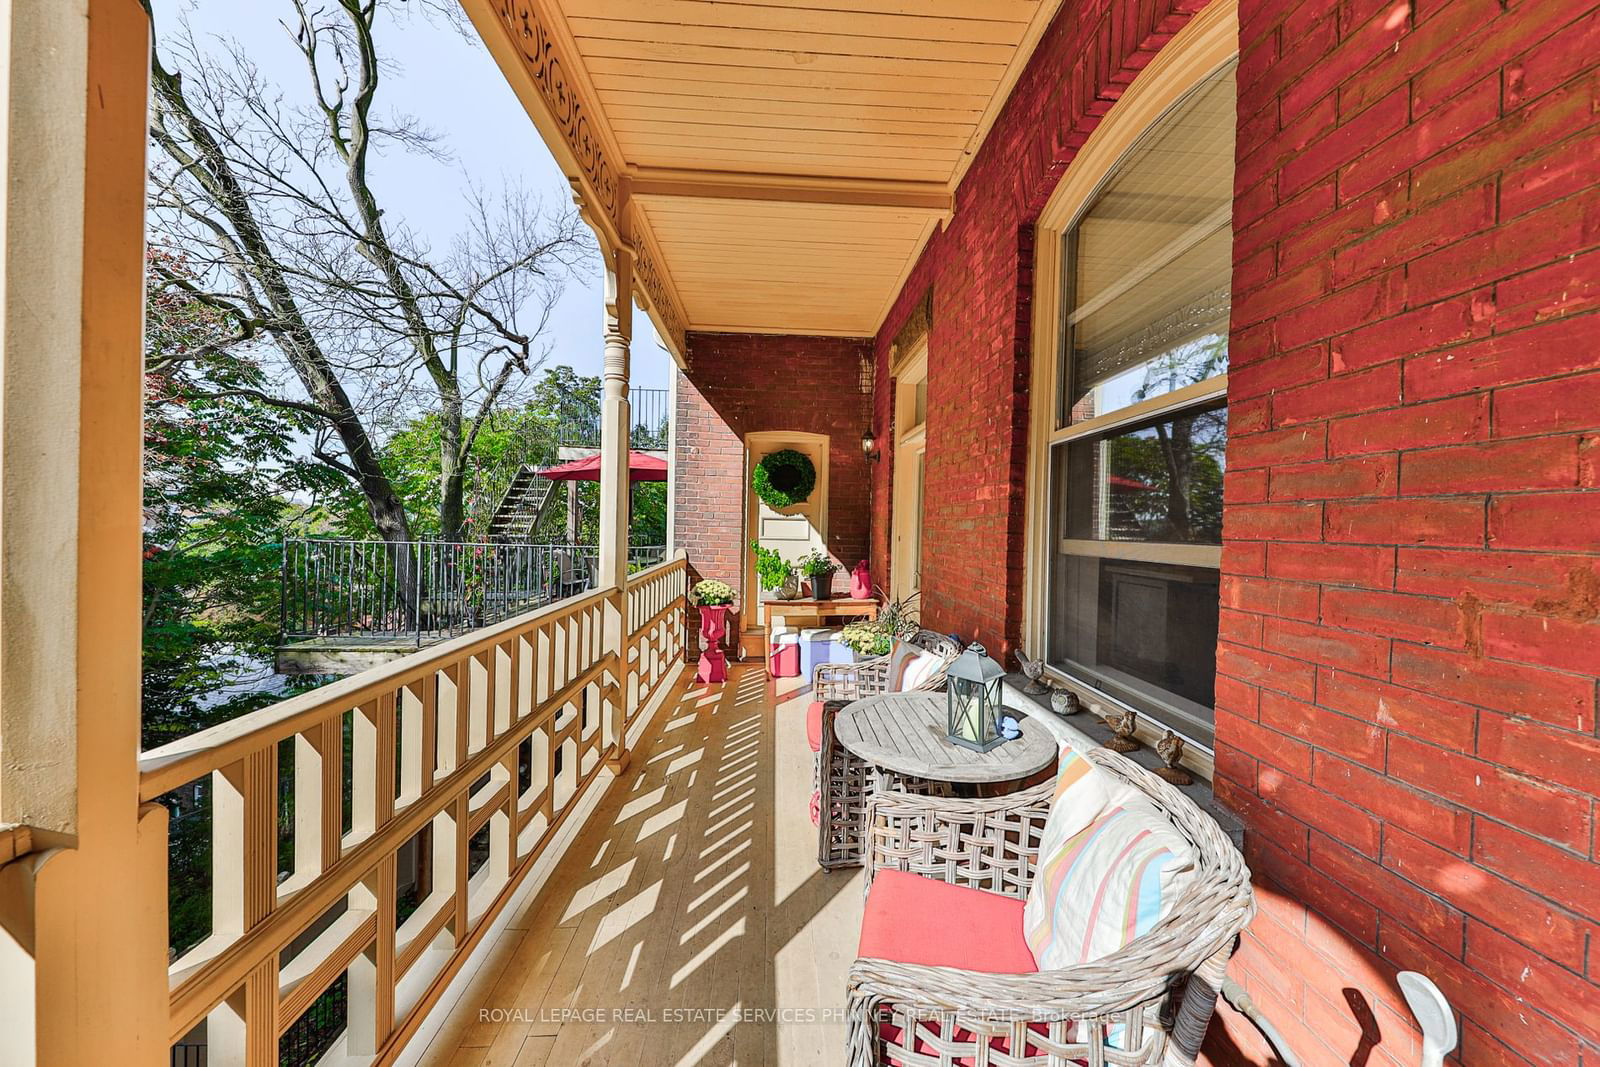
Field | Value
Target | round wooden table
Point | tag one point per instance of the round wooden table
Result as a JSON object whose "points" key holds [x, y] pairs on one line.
{"points": [[905, 733], [896, 742]]}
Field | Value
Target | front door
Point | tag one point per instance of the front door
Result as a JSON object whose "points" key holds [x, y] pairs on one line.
{"points": [[794, 531]]}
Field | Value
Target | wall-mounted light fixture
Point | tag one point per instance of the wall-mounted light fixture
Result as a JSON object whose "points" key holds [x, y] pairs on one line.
{"points": [[869, 444]]}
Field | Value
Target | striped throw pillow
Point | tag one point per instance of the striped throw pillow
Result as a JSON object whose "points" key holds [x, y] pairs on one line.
{"points": [[1083, 792], [1109, 866], [910, 666]]}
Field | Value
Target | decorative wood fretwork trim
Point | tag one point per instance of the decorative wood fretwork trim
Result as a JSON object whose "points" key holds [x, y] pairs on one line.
{"points": [[656, 286], [553, 74]]}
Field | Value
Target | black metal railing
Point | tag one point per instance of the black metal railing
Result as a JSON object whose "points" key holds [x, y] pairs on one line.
{"points": [[647, 432], [426, 590], [314, 1033], [304, 1043]]}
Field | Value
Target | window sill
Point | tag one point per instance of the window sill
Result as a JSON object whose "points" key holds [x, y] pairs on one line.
{"points": [[1094, 728]]}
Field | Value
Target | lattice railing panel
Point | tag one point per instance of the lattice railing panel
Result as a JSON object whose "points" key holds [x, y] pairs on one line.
{"points": [[370, 830], [657, 614]]}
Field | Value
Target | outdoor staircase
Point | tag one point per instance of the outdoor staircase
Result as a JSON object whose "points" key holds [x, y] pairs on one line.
{"points": [[519, 511]]}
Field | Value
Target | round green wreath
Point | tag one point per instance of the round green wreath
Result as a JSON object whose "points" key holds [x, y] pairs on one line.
{"points": [[783, 479]]}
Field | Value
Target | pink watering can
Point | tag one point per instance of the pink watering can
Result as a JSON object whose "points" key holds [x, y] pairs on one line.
{"points": [[860, 582]]}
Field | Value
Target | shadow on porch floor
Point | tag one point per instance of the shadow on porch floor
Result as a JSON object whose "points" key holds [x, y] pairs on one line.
{"points": [[689, 922]]}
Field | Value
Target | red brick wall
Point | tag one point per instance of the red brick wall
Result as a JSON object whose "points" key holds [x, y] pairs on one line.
{"points": [[1411, 619], [1407, 675], [980, 268], [738, 384]]}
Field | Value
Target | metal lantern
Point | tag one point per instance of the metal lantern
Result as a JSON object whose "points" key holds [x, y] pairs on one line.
{"points": [[972, 693]]}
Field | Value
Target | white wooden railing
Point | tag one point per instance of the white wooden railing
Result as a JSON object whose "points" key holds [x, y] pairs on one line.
{"points": [[505, 730]]}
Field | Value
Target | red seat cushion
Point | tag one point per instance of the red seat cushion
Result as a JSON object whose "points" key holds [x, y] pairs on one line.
{"points": [[912, 919], [814, 725]]}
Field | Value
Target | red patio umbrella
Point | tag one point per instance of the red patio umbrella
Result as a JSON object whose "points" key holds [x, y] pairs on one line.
{"points": [[641, 468]]}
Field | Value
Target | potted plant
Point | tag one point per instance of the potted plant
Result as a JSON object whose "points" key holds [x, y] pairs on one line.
{"points": [[775, 573], [819, 568], [715, 600], [898, 618], [712, 593], [867, 640]]}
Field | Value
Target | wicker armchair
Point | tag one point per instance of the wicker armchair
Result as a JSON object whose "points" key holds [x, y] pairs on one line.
{"points": [[1156, 995], [842, 782], [852, 681]]}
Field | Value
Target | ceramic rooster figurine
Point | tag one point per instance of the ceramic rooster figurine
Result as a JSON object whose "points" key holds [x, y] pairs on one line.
{"points": [[1122, 724], [1033, 669], [1170, 749]]}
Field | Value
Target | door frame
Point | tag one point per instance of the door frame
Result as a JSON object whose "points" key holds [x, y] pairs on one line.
{"points": [[907, 508], [757, 444]]}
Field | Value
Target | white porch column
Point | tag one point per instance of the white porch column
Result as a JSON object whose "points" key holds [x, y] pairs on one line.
{"points": [[615, 420], [83, 917]]}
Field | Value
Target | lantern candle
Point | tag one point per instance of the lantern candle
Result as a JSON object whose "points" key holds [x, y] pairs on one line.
{"points": [[972, 693]]}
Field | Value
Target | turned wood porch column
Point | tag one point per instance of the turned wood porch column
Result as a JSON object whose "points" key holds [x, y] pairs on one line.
{"points": [[615, 419]]}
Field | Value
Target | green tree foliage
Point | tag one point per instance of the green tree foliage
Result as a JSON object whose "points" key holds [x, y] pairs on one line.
{"points": [[227, 476], [221, 477], [529, 435], [649, 514], [1174, 467]]}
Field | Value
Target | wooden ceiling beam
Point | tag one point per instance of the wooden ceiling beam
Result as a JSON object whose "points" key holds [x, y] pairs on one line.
{"points": [[664, 184]]}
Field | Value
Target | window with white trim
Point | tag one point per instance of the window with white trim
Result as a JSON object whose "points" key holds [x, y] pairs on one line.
{"points": [[1137, 449]]}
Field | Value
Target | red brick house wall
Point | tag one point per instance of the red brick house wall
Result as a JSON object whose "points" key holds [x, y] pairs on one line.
{"points": [[1407, 673], [1411, 597], [981, 270], [738, 384]]}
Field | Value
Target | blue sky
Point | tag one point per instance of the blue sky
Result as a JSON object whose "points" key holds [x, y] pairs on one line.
{"points": [[454, 87]]}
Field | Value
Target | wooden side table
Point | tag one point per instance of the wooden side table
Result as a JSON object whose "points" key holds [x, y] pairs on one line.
{"points": [[802, 614]]}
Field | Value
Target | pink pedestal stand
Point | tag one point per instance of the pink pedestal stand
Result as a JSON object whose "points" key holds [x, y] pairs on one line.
{"points": [[713, 661]]}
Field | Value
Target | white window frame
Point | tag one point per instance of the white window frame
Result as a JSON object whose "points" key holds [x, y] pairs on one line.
{"points": [[1209, 42], [910, 442]]}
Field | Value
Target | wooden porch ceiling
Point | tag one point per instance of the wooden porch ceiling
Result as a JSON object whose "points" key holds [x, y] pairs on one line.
{"points": [[778, 164]]}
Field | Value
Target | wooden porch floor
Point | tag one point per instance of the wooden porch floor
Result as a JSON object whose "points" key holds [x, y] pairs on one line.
{"points": [[689, 922]]}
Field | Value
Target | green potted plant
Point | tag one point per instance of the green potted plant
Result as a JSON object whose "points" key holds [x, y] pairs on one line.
{"points": [[819, 568], [898, 618], [715, 601], [867, 639], [775, 573]]}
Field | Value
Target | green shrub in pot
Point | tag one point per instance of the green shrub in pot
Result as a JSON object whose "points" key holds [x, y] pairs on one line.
{"points": [[772, 570]]}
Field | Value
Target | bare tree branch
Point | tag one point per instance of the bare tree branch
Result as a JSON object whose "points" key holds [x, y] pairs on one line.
{"points": [[348, 308]]}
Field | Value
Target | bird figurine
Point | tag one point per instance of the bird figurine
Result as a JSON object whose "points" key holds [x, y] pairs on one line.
{"points": [[1033, 669], [1170, 749], [1064, 701], [1122, 724]]}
